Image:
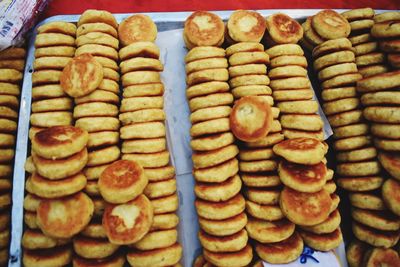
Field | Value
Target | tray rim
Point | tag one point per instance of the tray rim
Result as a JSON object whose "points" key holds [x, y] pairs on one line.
{"points": [[21, 149]]}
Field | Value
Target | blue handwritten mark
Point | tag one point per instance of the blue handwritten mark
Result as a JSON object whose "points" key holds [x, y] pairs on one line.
{"points": [[6, 28], [307, 254]]}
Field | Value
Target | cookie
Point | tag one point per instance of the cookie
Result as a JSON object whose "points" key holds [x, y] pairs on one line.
{"points": [[137, 28]]}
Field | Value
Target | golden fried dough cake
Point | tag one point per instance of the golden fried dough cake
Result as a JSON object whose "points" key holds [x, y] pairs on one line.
{"points": [[269, 232], [250, 119], [314, 208], [330, 25], [283, 29], [203, 28], [97, 16], [245, 26], [218, 191], [374, 237], [122, 181], [307, 151], [355, 252], [389, 195], [224, 227], [282, 252], [93, 248], [391, 163], [168, 256], [303, 178], [229, 243], [220, 210], [380, 220], [115, 260], [327, 226], [322, 242], [128, 223], [238, 258], [380, 256], [137, 28], [59, 256], [82, 75], [76, 212]]}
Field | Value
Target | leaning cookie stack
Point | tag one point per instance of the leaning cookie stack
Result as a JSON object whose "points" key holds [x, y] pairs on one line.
{"points": [[307, 199], [369, 59], [219, 204], [381, 107], [12, 63], [143, 135], [60, 208], [387, 32], [291, 87], [54, 48]]}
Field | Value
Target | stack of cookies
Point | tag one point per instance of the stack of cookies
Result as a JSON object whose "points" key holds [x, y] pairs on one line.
{"points": [[387, 31], [12, 63], [143, 135], [368, 58], [54, 48], [219, 204], [362, 254], [307, 199], [381, 108], [325, 25], [291, 89], [58, 210]]}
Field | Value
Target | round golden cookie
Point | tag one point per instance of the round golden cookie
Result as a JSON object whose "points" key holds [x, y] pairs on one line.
{"points": [[217, 173], [149, 160], [355, 252], [330, 25], [165, 204], [306, 122], [282, 252], [140, 49], [250, 119], [382, 114], [282, 61], [95, 109], [359, 13], [5, 201], [238, 258], [244, 47], [367, 200], [168, 256], [13, 53], [387, 144], [9, 89], [58, 51], [283, 29], [327, 226], [122, 181], [151, 89], [16, 64], [141, 63], [303, 178], [390, 46], [365, 48], [338, 93], [370, 59], [358, 168], [34, 239], [386, 29], [6, 155], [59, 256], [150, 145], [91, 248], [387, 16], [357, 155], [220, 210], [98, 96], [207, 88], [343, 80], [315, 207], [380, 256], [137, 103], [285, 50], [95, 16], [97, 124], [50, 63], [203, 28], [269, 232], [247, 69], [121, 221], [116, 260], [206, 63], [76, 211], [157, 239], [292, 134], [140, 77], [97, 38], [301, 106], [213, 142], [60, 168], [381, 220], [335, 70], [142, 116], [262, 196], [245, 26], [210, 127], [160, 188], [210, 113], [54, 104], [333, 59], [96, 27], [358, 129], [256, 154], [224, 227], [352, 143], [53, 39], [346, 118], [390, 196], [293, 95], [82, 75], [287, 72], [322, 242], [301, 150], [99, 51], [361, 25], [219, 191], [341, 105], [46, 188], [137, 28], [42, 77], [290, 83], [202, 52], [229, 243], [310, 37], [374, 237], [360, 184], [164, 221], [143, 130], [243, 58], [14, 76]]}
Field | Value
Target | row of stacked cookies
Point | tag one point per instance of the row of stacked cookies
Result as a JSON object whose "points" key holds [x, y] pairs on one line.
{"points": [[369, 59], [219, 204], [387, 31], [58, 209], [143, 135], [12, 63], [256, 125], [335, 62], [305, 178], [92, 79], [54, 48]]}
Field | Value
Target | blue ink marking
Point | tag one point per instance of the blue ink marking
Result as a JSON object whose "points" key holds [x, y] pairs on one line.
{"points": [[307, 254]]}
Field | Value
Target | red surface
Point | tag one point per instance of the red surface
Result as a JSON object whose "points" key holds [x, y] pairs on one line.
{"points": [[61, 7]]}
